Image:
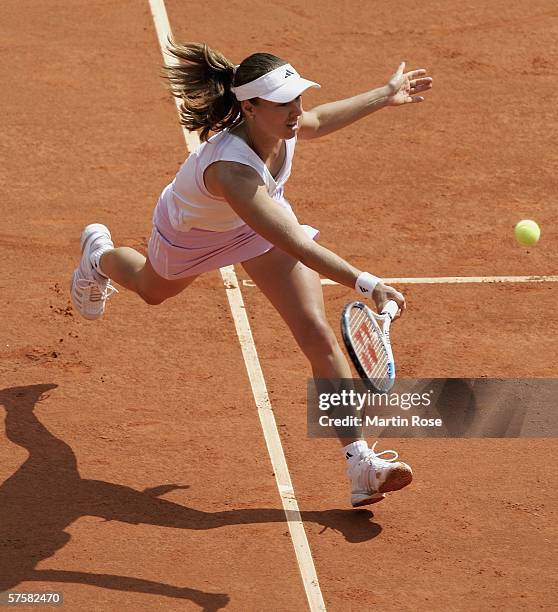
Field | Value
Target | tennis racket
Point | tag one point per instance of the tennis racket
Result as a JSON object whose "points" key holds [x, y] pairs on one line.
{"points": [[366, 336]]}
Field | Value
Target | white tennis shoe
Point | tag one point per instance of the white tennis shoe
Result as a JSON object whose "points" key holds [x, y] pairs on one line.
{"points": [[372, 477], [90, 290]]}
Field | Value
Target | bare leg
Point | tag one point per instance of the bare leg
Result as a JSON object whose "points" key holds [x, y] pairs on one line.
{"points": [[296, 293], [132, 270]]}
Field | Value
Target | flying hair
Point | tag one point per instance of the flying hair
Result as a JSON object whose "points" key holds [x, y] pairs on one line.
{"points": [[202, 77]]}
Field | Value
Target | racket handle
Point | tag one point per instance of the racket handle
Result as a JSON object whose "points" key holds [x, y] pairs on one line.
{"points": [[391, 308]]}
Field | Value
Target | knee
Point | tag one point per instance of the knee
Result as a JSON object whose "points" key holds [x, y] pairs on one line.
{"points": [[316, 337]]}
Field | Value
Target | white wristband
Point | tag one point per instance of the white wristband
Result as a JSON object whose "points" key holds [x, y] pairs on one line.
{"points": [[366, 283]]}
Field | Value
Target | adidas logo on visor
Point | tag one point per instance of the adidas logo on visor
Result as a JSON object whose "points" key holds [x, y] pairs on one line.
{"points": [[288, 73]]}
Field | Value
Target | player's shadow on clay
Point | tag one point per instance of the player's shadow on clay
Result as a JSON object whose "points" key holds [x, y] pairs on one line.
{"points": [[47, 494]]}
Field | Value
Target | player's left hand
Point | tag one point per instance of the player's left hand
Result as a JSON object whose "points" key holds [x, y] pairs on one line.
{"points": [[403, 87]]}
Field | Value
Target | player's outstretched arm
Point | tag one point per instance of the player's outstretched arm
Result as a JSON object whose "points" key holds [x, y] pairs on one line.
{"points": [[402, 88]]}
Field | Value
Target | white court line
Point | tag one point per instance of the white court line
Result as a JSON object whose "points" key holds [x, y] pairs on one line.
{"points": [[257, 381], [443, 280]]}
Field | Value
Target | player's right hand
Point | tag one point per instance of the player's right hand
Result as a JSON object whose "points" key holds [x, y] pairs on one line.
{"points": [[383, 294]]}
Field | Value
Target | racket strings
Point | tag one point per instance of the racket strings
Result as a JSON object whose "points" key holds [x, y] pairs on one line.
{"points": [[363, 335]]}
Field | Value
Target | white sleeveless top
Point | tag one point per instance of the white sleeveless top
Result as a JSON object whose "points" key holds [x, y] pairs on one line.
{"points": [[190, 205]]}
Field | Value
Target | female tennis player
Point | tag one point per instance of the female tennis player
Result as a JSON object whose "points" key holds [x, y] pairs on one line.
{"points": [[226, 205]]}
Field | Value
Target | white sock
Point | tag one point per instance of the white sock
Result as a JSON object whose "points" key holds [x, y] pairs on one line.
{"points": [[96, 257], [354, 449]]}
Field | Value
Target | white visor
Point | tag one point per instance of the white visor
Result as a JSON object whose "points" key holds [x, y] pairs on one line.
{"points": [[280, 85]]}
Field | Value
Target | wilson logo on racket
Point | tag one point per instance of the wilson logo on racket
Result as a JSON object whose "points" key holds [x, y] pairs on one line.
{"points": [[369, 358], [363, 335]]}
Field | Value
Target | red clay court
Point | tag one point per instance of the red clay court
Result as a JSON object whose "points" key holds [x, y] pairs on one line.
{"points": [[134, 472]]}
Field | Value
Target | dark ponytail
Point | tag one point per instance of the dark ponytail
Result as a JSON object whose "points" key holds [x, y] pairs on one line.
{"points": [[202, 78]]}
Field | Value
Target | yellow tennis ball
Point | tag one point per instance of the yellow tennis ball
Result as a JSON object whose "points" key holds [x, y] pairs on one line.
{"points": [[527, 232]]}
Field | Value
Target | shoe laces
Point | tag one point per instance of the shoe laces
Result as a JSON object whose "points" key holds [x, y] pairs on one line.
{"points": [[97, 294], [371, 454]]}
